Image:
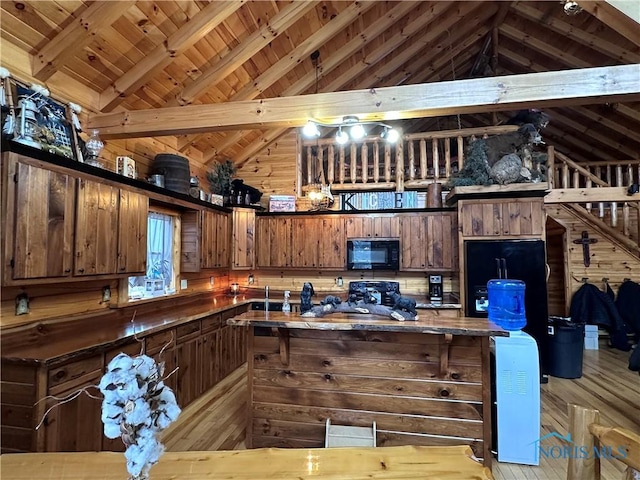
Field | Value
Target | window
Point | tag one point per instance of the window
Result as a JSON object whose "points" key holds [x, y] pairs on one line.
{"points": [[162, 256]]}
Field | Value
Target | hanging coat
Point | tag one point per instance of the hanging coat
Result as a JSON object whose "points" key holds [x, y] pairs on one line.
{"points": [[628, 305], [593, 306]]}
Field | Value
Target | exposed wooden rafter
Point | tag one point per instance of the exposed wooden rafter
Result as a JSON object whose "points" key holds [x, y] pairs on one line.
{"points": [[196, 28], [587, 86], [615, 18], [75, 36], [236, 57]]}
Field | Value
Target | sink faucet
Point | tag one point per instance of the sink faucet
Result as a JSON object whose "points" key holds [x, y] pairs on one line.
{"points": [[266, 292]]}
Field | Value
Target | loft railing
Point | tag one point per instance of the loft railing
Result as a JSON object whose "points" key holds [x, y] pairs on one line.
{"points": [[413, 162], [599, 189]]}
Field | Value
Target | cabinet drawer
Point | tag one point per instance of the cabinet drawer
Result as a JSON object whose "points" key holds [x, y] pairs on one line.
{"points": [[184, 332], [156, 342], [67, 376], [211, 323], [227, 314]]}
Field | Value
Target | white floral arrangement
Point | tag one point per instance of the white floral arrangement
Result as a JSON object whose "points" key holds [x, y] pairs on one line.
{"points": [[137, 406]]}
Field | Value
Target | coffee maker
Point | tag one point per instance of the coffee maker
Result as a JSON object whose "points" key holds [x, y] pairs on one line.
{"points": [[435, 289]]}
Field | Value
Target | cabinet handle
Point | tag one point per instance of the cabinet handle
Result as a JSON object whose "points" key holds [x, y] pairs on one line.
{"points": [[122, 269], [68, 270], [81, 270]]}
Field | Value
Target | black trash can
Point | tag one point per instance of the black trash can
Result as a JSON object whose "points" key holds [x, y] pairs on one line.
{"points": [[566, 347]]}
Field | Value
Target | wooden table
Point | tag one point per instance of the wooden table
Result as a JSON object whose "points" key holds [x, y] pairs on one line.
{"points": [[424, 382], [395, 463]]}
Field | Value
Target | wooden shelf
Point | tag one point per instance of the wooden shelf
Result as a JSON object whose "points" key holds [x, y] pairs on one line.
{"points": [[514, 190]]}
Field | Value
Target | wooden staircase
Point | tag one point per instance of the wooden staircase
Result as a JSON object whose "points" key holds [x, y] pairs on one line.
{"points": [[597, 193]]}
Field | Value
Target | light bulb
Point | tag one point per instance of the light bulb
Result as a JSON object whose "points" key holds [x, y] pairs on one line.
{"points": [[357, 132], [342, 137], [391, 135], [311, 130]]}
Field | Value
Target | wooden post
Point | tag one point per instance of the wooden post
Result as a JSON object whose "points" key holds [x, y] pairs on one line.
{"points": [[447, 158], [354, 163], [341, 165], [376, 162], [423, 159], [364, 155], [461, 152], [551, 167], [625, 219], [412, 160], [579, 420], [330, 164], [436, 159], [387, 162], [399, 167]]}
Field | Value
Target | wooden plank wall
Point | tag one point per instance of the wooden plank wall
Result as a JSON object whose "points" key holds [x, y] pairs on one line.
{"points": [[326, 282], [356, 378], [556, 260], [607, 260]]}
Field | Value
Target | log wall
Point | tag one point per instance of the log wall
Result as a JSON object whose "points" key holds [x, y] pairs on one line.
{"points": [[606, 260], [355, 378]]}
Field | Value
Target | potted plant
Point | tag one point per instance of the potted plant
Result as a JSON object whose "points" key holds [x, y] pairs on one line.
{"points": [[220, 179]]}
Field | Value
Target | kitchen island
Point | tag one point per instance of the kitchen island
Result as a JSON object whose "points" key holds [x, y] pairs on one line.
{"points": [[424, 382]]}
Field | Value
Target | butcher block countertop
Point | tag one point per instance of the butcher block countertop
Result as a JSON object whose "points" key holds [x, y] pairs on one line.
{"points": [[426, 323], [351, 463]]}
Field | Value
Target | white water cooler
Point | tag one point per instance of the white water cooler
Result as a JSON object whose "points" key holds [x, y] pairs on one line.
{"points": [[516, 397]]}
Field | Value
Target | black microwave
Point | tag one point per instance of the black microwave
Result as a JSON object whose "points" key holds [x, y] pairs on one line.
{"points": [[373, 254]]}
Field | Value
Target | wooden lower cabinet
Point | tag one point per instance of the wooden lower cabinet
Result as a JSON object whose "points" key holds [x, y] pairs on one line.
{"points": [[205, 351]]}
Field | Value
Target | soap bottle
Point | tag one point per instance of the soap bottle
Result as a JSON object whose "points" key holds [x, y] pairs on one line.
{"points": [[286, 306]]}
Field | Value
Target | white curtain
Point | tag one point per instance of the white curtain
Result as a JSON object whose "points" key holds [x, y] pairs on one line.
{"points": [[160, 247]]}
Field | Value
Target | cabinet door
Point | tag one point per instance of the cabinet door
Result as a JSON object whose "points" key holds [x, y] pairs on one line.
{"points": [[442, 242], [244, 223], [359, 226], [223, 240], [508, 217], [273, 240], [74, 426], [332, 243], [369, 226], [216, 240], [414, 253], [305, 242], [190, 257], [132, 232], [209, 353], [188, 356], [96, 242], [43, 218]]}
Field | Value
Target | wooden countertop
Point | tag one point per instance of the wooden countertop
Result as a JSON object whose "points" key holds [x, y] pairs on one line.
{"points": [[350, 463], [426, 323], [55, 343]]}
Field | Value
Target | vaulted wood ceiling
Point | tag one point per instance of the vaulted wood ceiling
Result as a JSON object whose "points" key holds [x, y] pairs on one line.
{"points": [[138, 55]]}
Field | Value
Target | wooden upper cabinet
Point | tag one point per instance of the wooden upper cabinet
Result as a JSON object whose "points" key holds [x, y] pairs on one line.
{"points": [[273, 245], [513, 217], [244, 225], [429, 242], [370, 226], [132, 232], [215, 240], [332, 252], [190, 241], [306, 234], [39, 222]]}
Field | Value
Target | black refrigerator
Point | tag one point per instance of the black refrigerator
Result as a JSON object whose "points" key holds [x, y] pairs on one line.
{"points": [[515, 259]]}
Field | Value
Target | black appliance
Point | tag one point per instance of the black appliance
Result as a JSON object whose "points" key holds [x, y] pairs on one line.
{"points": [[516, 259], [272, 306], [373, 254], [380, 290], [435, 289]]}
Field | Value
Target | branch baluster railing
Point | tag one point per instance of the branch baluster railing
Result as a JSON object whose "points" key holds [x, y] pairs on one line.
{"points": [[605, 184], [413, 162]]}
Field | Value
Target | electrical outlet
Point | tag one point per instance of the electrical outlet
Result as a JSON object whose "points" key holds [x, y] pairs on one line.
{"points": [[22, 304], [183, 284], [106, 294]]}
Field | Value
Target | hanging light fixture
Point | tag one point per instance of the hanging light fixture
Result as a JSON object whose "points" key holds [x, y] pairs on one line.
{"points": [[355, 128]]}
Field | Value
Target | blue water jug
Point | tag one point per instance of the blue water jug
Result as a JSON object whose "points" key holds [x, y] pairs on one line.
{"points": [[506, 303]]}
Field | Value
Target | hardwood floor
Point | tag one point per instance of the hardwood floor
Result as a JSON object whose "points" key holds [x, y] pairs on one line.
{"points": [[217, 420]]}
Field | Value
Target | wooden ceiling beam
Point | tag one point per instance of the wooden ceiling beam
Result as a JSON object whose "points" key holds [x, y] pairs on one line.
{"points": [[298, 54], [176, 44], [367, 35], [594, 42], [243, 52], [76, 36], [614, 18], [565, 87]]}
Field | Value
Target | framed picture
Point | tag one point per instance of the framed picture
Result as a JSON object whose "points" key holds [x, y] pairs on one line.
{"points": [[39, 121]]}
